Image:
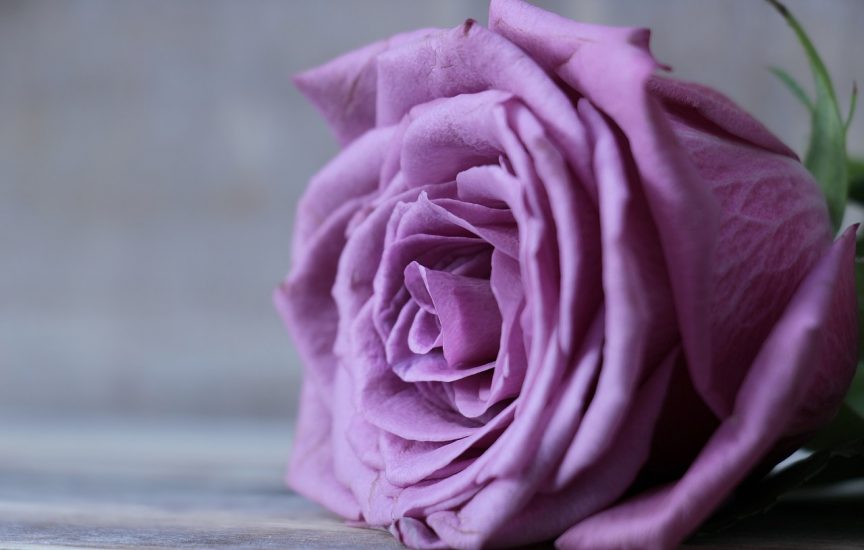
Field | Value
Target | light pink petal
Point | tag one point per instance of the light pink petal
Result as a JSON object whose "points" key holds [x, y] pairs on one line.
{"points": [[709, 109], [304, 299], [640, 322], [344, 89], [360, 260], [773, 229], [790, 361], [512, 360], [611, 67], [432, 367], [509, 511], [311, 472], [387, 402], [449, 135], [352, 174], [468, 60], [410, 462], [470, 320], [374, 494]]}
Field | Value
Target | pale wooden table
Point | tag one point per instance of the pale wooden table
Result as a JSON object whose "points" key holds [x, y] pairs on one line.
{"points": [[79, 484]]}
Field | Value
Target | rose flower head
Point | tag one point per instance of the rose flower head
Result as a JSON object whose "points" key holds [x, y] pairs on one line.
{"points": [[544, 292]]}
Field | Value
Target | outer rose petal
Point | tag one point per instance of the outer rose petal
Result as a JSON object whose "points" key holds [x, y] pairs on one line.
{"points": [[311, 471], [471, 59], [306, 305], [351, 175], [682, 206], [775, 390], [304, 299], [640, 326], [344, 89], [716, 111], [774, 229]]}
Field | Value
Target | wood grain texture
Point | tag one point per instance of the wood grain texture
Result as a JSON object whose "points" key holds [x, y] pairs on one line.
{"points": [[141, 485]]}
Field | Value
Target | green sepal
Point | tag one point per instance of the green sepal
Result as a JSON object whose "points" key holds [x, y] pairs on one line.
{"points": [[794, 87], [756, 498], [853, 102], [855, 397], [826, 152], [856, 179]]}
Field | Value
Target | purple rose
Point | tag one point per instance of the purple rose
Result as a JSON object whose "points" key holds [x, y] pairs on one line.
{"points": [[543, 293]]}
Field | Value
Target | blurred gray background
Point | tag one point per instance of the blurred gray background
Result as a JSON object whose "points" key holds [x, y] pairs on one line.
{"points": [[152, 153]]}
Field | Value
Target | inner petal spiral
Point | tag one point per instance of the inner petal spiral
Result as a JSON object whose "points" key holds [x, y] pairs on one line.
{"points": [[469, 322]]}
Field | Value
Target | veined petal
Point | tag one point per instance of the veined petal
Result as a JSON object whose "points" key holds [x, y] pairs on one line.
{"points": [[788, 363], [681, 204], [344, 89]]}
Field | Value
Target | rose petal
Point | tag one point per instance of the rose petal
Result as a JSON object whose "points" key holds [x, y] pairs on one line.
{"points": [[410, 462], [310, 471], [433, 367], [512, 361], [507, 512], [470, 320], [682, 206], [431, 250], [374, 494], [391, 404], [492, 186], [774, 228], [494, 225], [707, 108], [405, 339], [661, 519], [304, 299], [344, 89], [360, 259], [425, 333], [640, 321], [540, 280], [448, 135], [467, 60]]}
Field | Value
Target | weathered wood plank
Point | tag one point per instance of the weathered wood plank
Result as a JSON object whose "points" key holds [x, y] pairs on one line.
{"points": [[112, 485], [194, 485]]}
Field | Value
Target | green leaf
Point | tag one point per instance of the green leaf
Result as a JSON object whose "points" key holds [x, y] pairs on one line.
{"points": [[826, 152], [793, 87], [756, 498], [856, 180], [848, 425], [853, 102], [855, 397]]}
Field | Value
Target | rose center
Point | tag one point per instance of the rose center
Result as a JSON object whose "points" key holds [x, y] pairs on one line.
{"points": [[457, 313]]}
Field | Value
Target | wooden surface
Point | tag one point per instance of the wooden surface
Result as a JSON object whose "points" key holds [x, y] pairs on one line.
{"points": [[159, 485], [119, 485]]}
